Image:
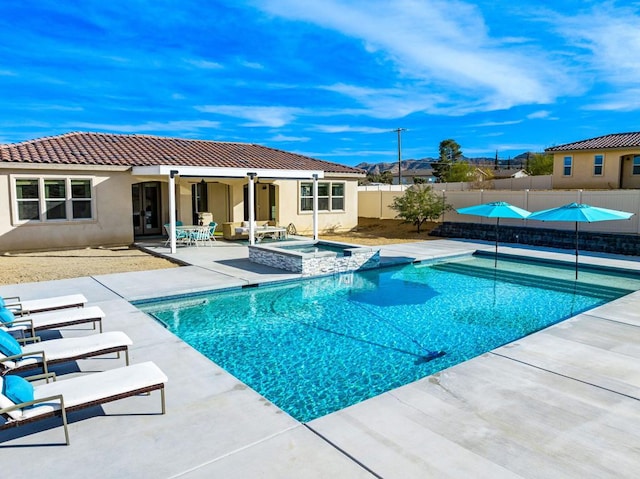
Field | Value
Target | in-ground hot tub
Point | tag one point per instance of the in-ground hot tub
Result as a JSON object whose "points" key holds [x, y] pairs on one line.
{"points": [[312, 258]]}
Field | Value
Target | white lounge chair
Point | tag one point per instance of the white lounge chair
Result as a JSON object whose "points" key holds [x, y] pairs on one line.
{"points": [[43, 354], [61, 397], [30, 306], [33, 323]]}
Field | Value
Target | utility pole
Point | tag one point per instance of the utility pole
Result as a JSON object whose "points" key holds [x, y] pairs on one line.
{"points": [[399, 132]]}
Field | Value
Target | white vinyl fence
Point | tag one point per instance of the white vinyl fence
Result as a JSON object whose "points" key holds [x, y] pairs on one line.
{"points": [[375, 204]]}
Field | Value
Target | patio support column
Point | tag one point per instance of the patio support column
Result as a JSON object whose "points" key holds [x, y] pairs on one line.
{"points": [[172, 209], [252, 212], [315, 207]]}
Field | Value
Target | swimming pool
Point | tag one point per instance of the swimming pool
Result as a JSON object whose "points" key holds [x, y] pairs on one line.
{"points": [[316, 346]]}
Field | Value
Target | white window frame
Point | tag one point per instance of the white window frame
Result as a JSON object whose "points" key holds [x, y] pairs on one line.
{"points": [[596, 165], [564, 166], [329, 197], [635, 158], [42, 200]]}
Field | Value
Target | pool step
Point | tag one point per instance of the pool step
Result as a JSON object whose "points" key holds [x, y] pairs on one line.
{"points": [[586, 289]]}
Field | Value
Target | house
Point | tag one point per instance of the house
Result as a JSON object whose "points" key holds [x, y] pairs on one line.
{"points": [[409, 176], [508, 173], [88, 189], [610, 161]]}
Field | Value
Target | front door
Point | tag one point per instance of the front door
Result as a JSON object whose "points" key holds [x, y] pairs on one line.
{"points": [[145, 198]]}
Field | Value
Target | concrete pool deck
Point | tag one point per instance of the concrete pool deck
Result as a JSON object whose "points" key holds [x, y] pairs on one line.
{"points": [[562, 402]]}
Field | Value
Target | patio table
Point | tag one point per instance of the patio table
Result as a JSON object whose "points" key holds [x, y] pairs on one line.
{"points": [[275, 232], [192, 234]]}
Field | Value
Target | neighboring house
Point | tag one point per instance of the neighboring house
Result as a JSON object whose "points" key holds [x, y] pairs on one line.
{"points": [[409, 175], [89, 189], [506, 173], [610, 161]]}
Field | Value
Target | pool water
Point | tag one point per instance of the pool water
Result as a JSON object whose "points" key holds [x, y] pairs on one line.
{"points": [[316, 346]]}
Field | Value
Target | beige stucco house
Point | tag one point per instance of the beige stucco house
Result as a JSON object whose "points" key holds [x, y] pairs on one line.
{"points": [[91, 189], [610, 161]]}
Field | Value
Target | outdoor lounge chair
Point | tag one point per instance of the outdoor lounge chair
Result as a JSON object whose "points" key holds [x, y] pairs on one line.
{"points": [[15, 358], [52, 320], [58, 398], [31, 306]]}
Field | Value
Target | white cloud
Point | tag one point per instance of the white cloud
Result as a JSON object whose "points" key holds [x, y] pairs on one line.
{"points": [[44, 107], [252, 65], [537, 115], [349, 129], [624, 100], [204, 64], [281, 137], [499, 123], [170, 126], [390, 102], [611, 36], [270, 116], [428, 44]]}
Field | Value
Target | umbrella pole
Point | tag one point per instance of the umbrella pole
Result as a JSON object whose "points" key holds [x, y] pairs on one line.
{"points": [[495, 264], [576, 250]]}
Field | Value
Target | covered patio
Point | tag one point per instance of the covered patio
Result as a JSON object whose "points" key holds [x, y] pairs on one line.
{"points": [[252, 175]]}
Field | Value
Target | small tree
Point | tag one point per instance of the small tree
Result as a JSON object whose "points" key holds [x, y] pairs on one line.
{"points": [[540, 164], [460, 171], [419, 204]]}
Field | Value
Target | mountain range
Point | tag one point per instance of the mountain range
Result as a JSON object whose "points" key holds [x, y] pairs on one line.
{"points": [[425, 164]]}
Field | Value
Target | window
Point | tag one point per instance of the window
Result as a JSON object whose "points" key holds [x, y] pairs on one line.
{"points": [[598, 162], [28, 200], [306, 197], [330, 196], [337, 196], [81, 199], [568, 163], [53, 199], [636, 165]]}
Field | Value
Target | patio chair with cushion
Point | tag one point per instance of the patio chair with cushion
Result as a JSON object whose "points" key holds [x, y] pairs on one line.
{"points": [[181, 236], [15, 358], [52, 320], [21, 402], [31, 306], [212, 229]]}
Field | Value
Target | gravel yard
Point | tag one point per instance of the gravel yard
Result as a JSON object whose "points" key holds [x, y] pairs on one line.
{"points": [[52, 265]]}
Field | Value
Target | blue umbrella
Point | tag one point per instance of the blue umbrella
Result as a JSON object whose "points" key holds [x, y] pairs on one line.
{"points": [[579, 213], [497, 209]]}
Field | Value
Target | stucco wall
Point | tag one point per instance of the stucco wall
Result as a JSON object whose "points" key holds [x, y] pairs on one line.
{"points": [[582, 172], [289, 208], [111, 225]]}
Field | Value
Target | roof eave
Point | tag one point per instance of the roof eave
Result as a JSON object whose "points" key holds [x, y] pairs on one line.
{"points": [[210, 172]]}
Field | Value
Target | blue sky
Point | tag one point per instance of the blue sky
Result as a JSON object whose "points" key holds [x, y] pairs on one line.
{"points": [[324, 78]]}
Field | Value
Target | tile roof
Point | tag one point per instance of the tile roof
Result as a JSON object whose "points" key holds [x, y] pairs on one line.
{"points": [[616, 140], [105, 149]]}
